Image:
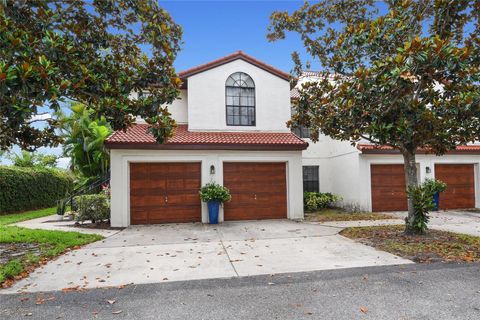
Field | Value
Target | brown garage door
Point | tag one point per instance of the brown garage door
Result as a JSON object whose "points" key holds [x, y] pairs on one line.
{"points": [[164, 192], [460, 180], [388, 187], [259, 191]]}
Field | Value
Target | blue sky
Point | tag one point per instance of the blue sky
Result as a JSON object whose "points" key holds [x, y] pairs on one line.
{"points": [[212, 29]]}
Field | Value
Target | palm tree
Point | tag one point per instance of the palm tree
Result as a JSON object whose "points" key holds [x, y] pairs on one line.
{"points": [[84, 137]]}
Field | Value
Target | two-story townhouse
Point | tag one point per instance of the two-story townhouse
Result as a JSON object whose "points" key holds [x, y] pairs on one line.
{"points": [[231, 117], [371, 178]]}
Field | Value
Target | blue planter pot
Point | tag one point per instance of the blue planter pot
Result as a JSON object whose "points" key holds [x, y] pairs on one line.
{"points": [[436, 201], [213, 207]]}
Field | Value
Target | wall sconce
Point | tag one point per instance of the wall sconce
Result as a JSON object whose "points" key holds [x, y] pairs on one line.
{"points": [[212, 169], [428, 170]]}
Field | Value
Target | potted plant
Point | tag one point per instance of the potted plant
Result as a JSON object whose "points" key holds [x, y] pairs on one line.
{"points": [[214, 194], [434, 187]]}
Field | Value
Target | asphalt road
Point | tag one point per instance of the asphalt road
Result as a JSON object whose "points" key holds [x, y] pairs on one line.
{"points": [[435, 291]]}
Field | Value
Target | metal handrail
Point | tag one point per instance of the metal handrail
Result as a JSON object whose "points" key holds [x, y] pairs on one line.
{"points": [[86, 189]]}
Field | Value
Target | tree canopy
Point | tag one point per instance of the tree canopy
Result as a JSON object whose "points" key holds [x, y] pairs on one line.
{"points": [[93, 52], [407, 76]]}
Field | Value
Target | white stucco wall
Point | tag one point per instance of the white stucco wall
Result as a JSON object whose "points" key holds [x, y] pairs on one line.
{"points": [[179, 108], [206, 99], [345, 171], [120, 160]]}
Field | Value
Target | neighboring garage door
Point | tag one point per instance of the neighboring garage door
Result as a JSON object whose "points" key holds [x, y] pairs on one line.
{"points": [[259, 191], [388, 187], [164, 192], [460, 180]]}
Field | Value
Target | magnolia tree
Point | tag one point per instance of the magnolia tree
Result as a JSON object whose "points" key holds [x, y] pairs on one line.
{"points": [[407, 76], [92, 52]]}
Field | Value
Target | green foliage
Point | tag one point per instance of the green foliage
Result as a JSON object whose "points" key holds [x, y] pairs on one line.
{"points": [[91, 52], [407, 77], [84, 136], [422, 196], [94, 207], [32, 188], [31, 159], [10, 269], [313, 201], [434, 186], [214, 192]]}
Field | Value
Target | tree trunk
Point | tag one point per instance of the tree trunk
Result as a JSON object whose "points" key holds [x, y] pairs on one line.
{"points": [[411, 180]]}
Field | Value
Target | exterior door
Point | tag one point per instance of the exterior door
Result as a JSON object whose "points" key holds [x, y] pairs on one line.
{"points": [[259, 190], [164, 192], [460, 180], [388, 187]]}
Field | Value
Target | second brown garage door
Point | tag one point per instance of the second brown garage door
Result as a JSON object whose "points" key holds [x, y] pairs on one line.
{"points": [[164, 192], [388, 187], [259, 191], [460, 180]]}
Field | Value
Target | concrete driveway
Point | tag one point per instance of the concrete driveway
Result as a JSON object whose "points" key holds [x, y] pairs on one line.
{"points": [[174, 252]]}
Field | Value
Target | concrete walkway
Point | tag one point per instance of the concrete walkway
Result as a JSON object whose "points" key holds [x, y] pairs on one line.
{"points": [[50, 223], [175, 252], [454, 221]]}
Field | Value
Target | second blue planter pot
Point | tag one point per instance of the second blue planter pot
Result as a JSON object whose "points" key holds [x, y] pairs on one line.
{"points": [[213, 208]]}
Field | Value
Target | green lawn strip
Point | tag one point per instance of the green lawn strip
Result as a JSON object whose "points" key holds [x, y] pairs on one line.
{"points": [[28, 215], [50, 243], [435, 246], [341, 215]]}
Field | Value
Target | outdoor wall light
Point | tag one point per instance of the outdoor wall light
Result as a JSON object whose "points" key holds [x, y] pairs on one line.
{"points": [[212, 169], [428, 170]]}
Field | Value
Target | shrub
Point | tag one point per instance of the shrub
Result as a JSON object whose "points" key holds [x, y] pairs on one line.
{"points": [[32, 188], [94, 207], [315, 200], [434, 186], [214, 192], [422, 196]]}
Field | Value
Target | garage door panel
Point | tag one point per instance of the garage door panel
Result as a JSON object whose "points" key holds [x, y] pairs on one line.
{"points": [[153, 183], [460, 180], [388, 187], [265, 180]]}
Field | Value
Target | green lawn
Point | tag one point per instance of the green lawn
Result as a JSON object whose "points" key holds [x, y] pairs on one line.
{"points": [[50, 243], [342, 215], [17, 217]]}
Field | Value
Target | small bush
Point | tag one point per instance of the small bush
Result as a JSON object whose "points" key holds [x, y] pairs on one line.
{"points": [[25, 189], [214, 192], [94, 207], [422, 196], [434, 186], [313, 201]]}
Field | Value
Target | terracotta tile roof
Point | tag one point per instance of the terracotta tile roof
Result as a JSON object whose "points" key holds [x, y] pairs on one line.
{"points": [[231, 57], [137, 137], [375, 149]]}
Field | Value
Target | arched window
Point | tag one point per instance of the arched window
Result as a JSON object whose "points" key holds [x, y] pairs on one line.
{"points": [[240, 100]]}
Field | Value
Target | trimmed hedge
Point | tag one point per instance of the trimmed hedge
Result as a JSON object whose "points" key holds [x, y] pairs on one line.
{"points": [[24, 189]]}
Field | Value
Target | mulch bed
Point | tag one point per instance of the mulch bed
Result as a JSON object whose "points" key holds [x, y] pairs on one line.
{"points": [[10, 251], [435, 246], [99, 225]]}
